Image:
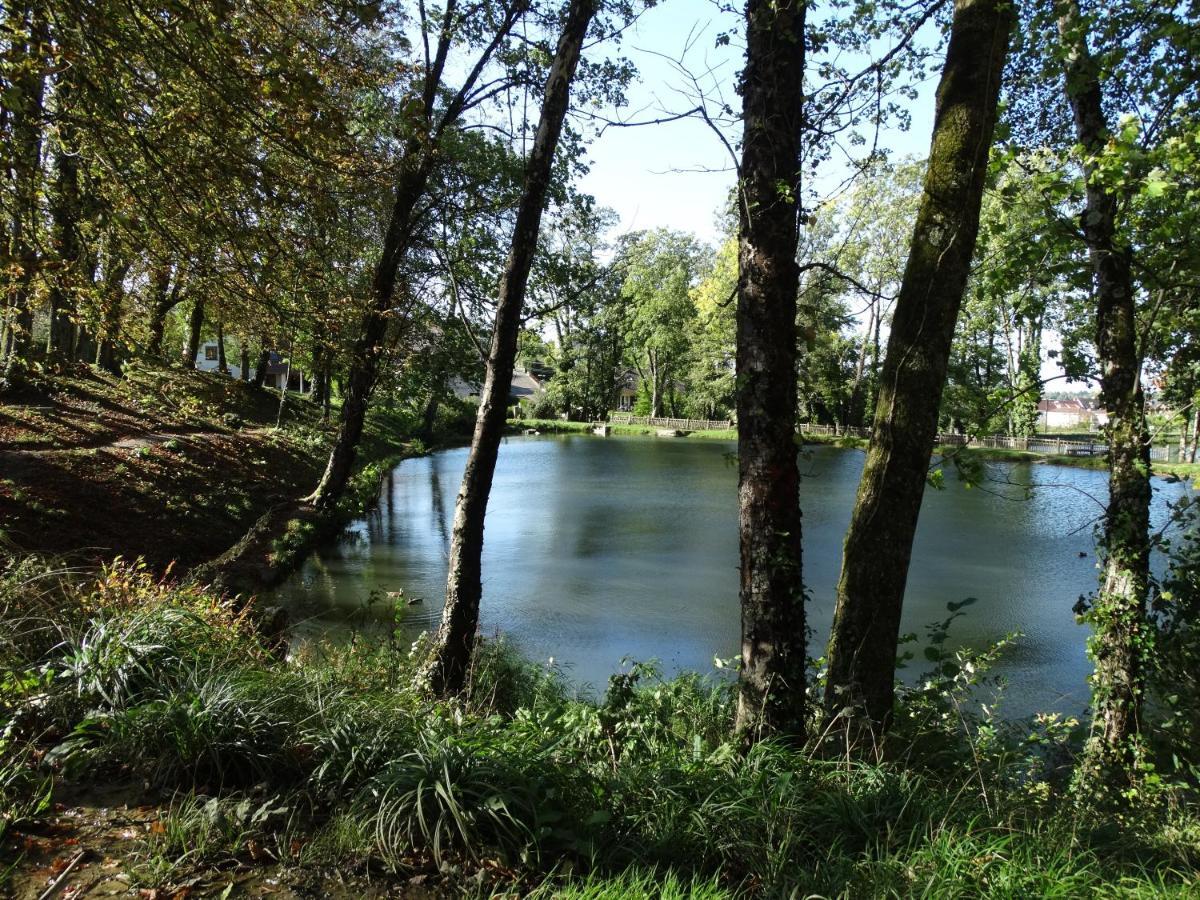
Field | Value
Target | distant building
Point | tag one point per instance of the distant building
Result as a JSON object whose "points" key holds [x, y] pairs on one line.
{"points": [[208, 360], [627, 391], [525, 386], [1076, 412]]}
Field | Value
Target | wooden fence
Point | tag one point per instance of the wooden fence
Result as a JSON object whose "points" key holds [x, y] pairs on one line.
{"points": [[678, 424]]}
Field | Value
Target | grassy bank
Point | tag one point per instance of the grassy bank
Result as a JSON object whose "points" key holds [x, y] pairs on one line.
{"points": [[557, 426], [91, 465], [329, 775], [978, 454]]}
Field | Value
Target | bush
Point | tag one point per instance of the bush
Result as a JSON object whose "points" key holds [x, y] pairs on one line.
{"points": [[543, 407], [455, 418]]}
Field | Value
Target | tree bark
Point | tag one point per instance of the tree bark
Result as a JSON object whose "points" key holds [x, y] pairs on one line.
{"points": [[195, 324], [878, 546], [1118, 614], [264, 360], [64, 215], [417, 163], [222, 363], [771, 681], [164, 297], [27, 26], [243, 359], [1195, 434], [450, 658], [112, 300]]}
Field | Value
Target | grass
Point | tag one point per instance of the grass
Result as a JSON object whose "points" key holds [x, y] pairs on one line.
{"points": [[333, 760]]}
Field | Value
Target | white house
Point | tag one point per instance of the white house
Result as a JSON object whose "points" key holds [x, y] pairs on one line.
{"points": [[1077, 412], [208, 360]]}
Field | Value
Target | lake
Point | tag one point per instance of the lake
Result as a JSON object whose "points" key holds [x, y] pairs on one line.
{"points": [[601, 549]]}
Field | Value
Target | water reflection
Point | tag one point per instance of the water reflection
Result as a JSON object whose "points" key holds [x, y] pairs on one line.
{"points": [[598, 549]]}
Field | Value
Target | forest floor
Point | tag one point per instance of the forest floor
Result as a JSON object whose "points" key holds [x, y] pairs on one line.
{"points": [[163, 464]]}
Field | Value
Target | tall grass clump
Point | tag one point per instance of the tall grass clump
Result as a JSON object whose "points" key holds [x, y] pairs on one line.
{"points": [[333, 756]]}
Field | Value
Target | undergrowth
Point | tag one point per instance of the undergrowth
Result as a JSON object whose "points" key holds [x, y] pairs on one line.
{"points": [[330, 758]]}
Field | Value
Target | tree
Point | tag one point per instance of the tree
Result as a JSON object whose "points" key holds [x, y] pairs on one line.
{"points": [[661, 268], [454, 644], [878, 546], [430, 125], [1118, 614], [710, 380], [771, 679], [859, 242]]}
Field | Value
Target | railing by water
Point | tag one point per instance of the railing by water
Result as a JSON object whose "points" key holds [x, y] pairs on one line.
{"points": [[678, 424]]}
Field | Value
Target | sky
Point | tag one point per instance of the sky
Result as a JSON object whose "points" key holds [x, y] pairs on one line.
{"points": [[678, 175]]}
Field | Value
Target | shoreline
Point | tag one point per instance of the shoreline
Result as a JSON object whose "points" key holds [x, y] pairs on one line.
{"points": [[1188, 471]]}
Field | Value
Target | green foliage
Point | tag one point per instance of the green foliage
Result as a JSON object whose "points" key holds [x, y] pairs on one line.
{"points": [[1174, 677], [335, 753]]}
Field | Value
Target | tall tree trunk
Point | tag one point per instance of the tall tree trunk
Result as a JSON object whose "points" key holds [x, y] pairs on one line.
{"points": [[432, 405], [655, 389], [84, 342], [28, 39], [878, 547], [771, 593], [264, 360], [418, 160], [222, 363], [368, 349], [163, 297], [318, 385], [64, 215], [1118, 615], [857, 406], [451, 654], [244, 359], [195, 325], [112, 299], [327, 397], [1195, 433]]}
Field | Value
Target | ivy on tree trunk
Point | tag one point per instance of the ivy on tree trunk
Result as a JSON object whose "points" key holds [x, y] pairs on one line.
{"points": [[878, 547], [1117, 615]]}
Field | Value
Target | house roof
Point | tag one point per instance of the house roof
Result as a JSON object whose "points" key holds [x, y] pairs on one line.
{"points": [[524, 386]]}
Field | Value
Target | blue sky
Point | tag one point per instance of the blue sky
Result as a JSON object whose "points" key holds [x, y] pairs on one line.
{"points": [[678, 175]]}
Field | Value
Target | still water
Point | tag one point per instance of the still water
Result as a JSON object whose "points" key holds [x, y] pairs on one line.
{"points": [[599, 549]]}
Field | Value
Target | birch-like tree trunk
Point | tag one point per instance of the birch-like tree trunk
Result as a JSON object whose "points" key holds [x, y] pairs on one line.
{"points": [[450, 657], [878, 547]]}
